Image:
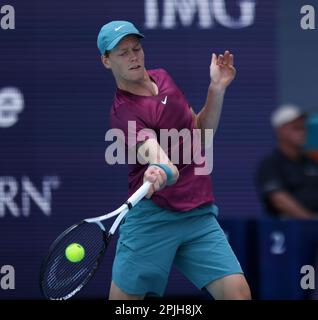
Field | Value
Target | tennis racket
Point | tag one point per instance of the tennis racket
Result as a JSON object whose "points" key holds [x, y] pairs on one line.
{"points": [[61, 279]]}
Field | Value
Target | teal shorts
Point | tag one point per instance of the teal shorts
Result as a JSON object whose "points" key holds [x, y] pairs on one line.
{"points": [[152, 239]]}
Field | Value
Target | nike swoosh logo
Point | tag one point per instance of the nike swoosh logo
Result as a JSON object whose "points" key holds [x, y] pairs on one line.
{"points": [[116, 29], [165, 100]]}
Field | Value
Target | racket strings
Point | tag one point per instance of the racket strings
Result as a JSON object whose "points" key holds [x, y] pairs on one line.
{"points": [[73, 271], [63, 278]]}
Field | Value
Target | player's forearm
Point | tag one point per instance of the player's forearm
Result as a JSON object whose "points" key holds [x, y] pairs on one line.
{"points": [[209, 116], [290, 207]]}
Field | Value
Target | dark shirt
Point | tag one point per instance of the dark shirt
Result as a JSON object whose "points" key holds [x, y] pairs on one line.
{"points": [[167, 110], [297, 177]]}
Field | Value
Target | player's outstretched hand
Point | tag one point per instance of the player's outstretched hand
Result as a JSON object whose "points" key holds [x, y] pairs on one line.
{"points": [[222, 71]]}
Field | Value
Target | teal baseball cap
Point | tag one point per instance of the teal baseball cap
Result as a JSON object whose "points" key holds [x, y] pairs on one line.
{"points": [[111, 33]]}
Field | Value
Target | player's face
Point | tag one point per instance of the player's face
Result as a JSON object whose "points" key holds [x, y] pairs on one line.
{"points": [[127, 60], [294, 133]]}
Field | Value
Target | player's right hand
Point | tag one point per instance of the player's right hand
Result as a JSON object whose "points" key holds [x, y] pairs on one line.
{"points": [[157, 177]]}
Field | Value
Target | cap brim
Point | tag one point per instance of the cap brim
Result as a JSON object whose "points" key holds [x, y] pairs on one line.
{"points": [[113, 44]]}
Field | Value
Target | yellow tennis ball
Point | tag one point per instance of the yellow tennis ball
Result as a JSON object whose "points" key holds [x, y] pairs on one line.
{"points": [[75, 252]]}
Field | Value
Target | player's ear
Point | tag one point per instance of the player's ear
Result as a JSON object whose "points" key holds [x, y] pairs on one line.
{"points": [[105, 60]]}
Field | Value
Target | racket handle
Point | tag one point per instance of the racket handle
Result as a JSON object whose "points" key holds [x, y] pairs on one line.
{"points": [[139, 194]]}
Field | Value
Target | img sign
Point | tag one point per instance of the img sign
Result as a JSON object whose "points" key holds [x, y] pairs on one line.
{"points": [[209, 12]]}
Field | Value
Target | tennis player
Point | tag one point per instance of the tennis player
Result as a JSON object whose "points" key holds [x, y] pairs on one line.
{"points": [[176, 222]]}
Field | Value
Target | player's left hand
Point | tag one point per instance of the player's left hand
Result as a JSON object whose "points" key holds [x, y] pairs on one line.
{"points": [[222, 70]]}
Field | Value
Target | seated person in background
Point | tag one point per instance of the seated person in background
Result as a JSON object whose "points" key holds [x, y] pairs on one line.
{"points": [[287, 180]]}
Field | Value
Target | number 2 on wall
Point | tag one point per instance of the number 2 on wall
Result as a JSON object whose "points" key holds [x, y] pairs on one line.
{"points": [[277, 242]]}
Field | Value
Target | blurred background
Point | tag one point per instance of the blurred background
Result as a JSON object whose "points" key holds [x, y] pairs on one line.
{"points": [[55, 98]]}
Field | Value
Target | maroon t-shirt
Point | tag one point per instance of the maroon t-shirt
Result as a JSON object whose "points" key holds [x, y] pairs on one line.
{"points": [[168, 110]]}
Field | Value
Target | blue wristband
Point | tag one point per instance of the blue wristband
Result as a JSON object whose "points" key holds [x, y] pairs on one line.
{"points": [[167, 171]]}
